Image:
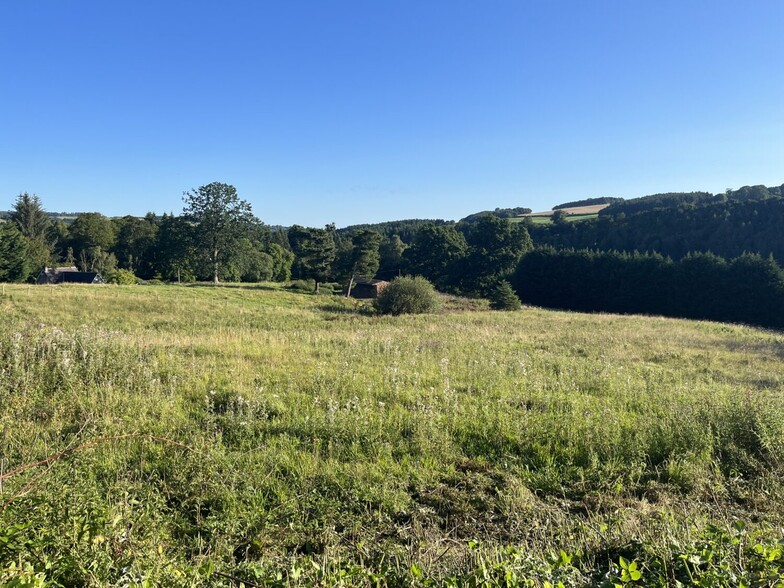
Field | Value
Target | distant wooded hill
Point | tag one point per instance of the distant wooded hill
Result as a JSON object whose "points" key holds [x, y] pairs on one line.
{"points": [[674, 224], [678, 200], [498, 212], [65, 217], [588, 202], [405, 229]]}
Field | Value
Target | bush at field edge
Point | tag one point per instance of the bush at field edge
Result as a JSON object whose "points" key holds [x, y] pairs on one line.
{"points": [[408, 295]]}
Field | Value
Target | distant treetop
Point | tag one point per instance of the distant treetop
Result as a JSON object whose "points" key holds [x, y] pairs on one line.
{"points": [[405, 229], [498, 212]]}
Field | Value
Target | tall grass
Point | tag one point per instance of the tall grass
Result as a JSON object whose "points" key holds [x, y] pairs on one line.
{"points": [[199, 434]]}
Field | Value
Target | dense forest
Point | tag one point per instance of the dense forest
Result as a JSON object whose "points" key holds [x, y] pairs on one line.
{"points": [[729, 224], [692, 254]]}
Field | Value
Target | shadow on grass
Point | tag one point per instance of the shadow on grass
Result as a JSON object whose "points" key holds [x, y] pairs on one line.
{"points": [[234, 286]]}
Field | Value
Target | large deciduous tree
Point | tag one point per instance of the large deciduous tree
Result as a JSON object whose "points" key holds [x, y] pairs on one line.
{"points": [[92, 236], [282, 260], [220, 219], [92, 229]]}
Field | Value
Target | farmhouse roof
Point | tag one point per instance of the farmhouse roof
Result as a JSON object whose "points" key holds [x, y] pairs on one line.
{"points": [[67, 274]]}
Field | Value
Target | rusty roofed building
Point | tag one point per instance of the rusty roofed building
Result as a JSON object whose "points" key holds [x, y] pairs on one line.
{"points": [[365, 288]]}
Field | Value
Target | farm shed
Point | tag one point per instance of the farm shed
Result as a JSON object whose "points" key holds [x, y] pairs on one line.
{"points": [[67, 275], [365, 288]]}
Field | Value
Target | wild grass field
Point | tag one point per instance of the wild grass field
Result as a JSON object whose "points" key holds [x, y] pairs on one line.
{"points": [[227, 436]]}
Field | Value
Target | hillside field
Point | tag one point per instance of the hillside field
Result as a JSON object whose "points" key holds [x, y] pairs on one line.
{"points": [[228, 436], [574, 214], [591, 210]]}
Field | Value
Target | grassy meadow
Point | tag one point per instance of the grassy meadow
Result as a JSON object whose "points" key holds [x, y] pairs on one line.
{"points": [[227, 436]]}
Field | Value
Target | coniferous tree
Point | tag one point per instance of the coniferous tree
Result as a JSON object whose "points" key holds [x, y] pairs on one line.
{"points": [[503, 297], [315, 251], [495, 246], [30, 217], [33, 223], [435, 253], [174, 249], [14, 265], [359, 256]]}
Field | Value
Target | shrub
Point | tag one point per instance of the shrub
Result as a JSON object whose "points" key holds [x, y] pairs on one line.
{"points": [[302, 285], [124, 277], [503, 297], [408, 295]]}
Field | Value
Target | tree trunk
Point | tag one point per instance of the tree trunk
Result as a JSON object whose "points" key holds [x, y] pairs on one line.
{"points": [[215, 268], [317, 287]]}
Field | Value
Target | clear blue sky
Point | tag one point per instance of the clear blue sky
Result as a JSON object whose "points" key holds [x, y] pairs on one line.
{"points": [[369, 110]]}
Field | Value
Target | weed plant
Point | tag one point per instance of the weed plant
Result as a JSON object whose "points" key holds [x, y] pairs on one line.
{"points": [[207, 436]]}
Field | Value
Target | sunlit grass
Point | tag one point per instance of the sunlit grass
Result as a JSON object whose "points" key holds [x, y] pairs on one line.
{"points": [[317, 431]]}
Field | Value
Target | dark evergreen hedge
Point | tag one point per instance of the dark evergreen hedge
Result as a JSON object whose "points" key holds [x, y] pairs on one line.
{"points": [[748, 289]]}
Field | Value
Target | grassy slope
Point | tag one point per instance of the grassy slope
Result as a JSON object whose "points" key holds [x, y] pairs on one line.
{"points": [[324, 441], [574, 214], [546, 220]]}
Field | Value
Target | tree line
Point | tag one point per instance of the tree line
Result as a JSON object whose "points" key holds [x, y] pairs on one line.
{"points": [[747, 289], [218, 238]]}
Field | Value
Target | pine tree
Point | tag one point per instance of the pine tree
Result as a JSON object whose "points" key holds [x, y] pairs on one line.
{"points": [[503, 297], [14, 265], [33, 223], [30, 217]]}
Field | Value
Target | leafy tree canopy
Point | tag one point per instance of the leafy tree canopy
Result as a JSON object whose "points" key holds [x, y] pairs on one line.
{"points": [[220, 217], [92, 229]]}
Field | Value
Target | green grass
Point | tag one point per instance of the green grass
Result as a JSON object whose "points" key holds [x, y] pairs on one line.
{"points": [[580, 217], [290, 439], [546, 220]]}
